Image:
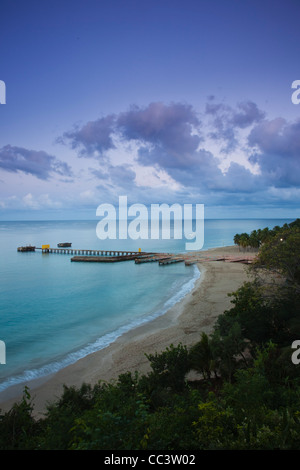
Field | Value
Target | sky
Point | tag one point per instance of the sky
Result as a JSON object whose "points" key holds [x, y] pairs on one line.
{"points": [[163, 101]]}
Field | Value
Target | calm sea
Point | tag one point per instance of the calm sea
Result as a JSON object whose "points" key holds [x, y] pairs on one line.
{"points": [[53, 311]]}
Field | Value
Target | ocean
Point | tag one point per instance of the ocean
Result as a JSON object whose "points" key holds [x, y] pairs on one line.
{"points": [[54, 312]]}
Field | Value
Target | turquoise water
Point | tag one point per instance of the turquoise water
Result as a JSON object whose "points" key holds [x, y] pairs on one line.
{"points": [[53, 311]]}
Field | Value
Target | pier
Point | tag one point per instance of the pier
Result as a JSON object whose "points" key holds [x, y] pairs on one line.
{"points": [[106, 259], [171, 260], [152, 258], [112, 256], [77, 251]]}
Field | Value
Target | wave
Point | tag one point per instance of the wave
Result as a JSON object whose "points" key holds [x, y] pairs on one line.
{"points": [[103, 341]]}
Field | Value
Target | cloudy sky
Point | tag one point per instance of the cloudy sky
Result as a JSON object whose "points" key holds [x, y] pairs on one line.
{"points": [[163, 101]]}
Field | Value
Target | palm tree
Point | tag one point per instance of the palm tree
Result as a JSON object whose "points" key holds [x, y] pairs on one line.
{"points": [[236, 239], [201, 358], [254, 241], [244, 240]]}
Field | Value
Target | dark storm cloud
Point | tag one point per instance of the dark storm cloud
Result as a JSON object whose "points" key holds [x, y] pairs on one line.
{"points": [[37, 163]]}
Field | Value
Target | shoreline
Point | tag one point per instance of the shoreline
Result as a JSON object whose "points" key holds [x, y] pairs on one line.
{"points": [[183, 322]]}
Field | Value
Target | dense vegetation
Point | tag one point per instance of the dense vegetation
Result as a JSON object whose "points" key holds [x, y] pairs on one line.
{"points": [[257, 238], [247, 397]]}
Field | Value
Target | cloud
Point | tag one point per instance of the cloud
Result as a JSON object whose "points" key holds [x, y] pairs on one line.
{"points": [[215, 158], [163, 129], [244, 115], [247, 113], [228, 121], [169, 138], [170, 127], [276, 149], [93, 137], [117, 176], [42, 201], [237, 179], [36, 163], [29, 201]]}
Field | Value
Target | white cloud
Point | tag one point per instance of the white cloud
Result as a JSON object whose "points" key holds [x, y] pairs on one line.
{"points": [[30, 202]]}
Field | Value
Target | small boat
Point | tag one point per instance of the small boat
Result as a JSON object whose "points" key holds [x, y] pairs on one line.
{"points": [[64, 245]]}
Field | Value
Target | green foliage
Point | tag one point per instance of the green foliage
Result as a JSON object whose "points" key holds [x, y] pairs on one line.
{"points": [[61, 415], [201, 357], [170, 427], [265, 411], [281, 254], [18, 429], [263, 317], [169, 367], [228, 350], [215, 426], [258, 238]]}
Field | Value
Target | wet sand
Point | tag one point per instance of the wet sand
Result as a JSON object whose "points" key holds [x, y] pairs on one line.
{"points": [[183, 323]]}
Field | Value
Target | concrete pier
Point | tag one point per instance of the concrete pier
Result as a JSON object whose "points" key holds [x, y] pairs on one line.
{"points": [[103, 259], [26, 248], [163, 262], [77, 251], [152, 258]]}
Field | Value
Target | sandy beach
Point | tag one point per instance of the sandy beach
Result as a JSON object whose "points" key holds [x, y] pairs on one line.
{"points": [[184, 322]]}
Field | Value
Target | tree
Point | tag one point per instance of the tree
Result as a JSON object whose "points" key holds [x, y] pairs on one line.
{"points": [[281, 255], [228, 346], [18, 428], [254, 240], [201, 357], [244, 240], [237, 239], [170, 367]]}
